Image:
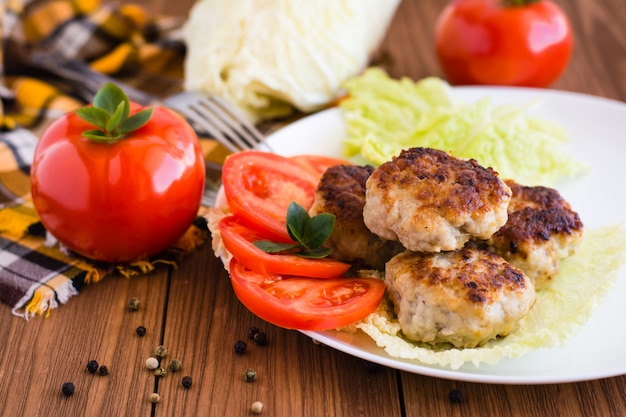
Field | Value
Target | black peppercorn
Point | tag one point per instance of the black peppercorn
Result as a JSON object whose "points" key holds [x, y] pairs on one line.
{"points": [[252, 331], [372, 367], [67, 389], [103, 370], [455, 396], [260, 338], [92, 366], [187, 381], [141, 331], [240, 347]]}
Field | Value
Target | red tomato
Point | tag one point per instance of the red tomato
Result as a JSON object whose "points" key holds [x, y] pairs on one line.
{"points": [[306, 303], [238, 241], [494, 42], [120, 201], [317, 164], [259, 187]]}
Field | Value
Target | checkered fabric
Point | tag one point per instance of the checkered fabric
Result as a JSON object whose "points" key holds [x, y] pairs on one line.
{"points": [[36, 275]]}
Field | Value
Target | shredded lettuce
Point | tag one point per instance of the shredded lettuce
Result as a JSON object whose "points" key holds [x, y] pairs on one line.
{"points": [[561, 309], [384, 116]]}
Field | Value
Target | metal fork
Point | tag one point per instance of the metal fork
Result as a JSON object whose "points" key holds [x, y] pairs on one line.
{"points": [[213, 115]]}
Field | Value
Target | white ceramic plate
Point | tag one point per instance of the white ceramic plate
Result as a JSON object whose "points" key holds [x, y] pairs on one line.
{"points": [[597, 128]]}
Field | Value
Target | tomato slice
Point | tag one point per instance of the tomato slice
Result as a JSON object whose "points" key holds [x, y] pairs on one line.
{"points": [[259, 187], [317, 164], [238, 240], [305, 303]]}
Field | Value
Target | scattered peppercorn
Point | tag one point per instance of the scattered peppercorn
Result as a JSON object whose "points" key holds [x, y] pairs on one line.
{"points": [[160, 372], [372, 367], [152, 363], [250, 375], [133, 304], [252, 331], [455, 396], [36, 229], [103, 370], [155, 398], [160, 352], [92, 366], [187, 381], [201, 223], [174, 365], [256, 407], [240, 347], [141, 331], [260, 338], [67, 389]]}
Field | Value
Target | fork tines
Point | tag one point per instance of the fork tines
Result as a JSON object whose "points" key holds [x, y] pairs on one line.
{"points": [[221, 121]]}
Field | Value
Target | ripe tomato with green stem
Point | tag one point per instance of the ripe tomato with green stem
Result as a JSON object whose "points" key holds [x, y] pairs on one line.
{"points": [[503, 42], [115, 182]]}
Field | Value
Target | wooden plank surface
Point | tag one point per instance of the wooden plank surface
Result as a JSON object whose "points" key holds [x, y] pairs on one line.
{"points": [[192, 310]]}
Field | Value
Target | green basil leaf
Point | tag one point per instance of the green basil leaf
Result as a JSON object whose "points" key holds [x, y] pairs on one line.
{"points": [[297, 218], [273, 247], [100, 136], [318, 230], [116, 118], [135, 121], [94, 115], [316, 253], [109, 97]]}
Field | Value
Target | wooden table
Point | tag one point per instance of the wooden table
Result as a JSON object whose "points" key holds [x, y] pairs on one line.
{"points": [[193, 312]]}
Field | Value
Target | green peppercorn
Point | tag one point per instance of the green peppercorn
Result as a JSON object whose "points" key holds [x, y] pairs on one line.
{"points": [[67, 389], [260, 338], [186, 381], [250, 375], [133, 304], [240, 347], [141, 331], [160, 352], [174, 365], [92, 366], [160, 372], [103, 371], [455, 396]]}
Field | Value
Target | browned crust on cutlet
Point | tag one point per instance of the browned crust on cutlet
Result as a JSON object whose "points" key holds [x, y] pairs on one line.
{"points": [[343, 189], [535, 215], [437, 179], [478, 275]]}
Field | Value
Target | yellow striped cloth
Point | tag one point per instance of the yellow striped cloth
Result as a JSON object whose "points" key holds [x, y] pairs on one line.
{"points": [[120, 40]]}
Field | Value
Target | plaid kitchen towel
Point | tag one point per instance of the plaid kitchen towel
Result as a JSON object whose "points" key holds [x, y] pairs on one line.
{"points": [[36, 275]]}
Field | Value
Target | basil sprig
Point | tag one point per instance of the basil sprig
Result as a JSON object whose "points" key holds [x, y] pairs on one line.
{"points": [[309, 233], [110, 114]]}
